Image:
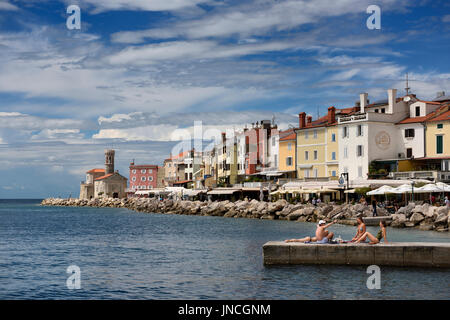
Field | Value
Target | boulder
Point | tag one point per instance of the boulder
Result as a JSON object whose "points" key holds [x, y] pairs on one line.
{"points": [[416, 217]]}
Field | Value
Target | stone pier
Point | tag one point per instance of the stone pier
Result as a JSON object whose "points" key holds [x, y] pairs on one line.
{"points": [[401, 254]]}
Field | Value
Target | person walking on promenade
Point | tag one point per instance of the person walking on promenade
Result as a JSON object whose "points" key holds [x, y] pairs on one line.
{"points": [[374, 207], [375, 239]]}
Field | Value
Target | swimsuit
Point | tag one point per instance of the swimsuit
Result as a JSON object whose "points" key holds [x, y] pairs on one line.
{"points": [[324, 240], [380, 235]]}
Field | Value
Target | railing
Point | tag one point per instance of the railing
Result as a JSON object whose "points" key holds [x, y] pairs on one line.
{"points": [[415, 175]]}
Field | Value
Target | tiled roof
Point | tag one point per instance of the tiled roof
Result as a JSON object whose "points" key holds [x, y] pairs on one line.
{"points": [[414, 120], [287, 135], [442, 117], [96, 171], [104, 177]]}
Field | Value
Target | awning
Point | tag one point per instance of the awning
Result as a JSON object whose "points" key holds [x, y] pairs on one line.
{"points": [[193, 193], [350, 191], [224, 191]]}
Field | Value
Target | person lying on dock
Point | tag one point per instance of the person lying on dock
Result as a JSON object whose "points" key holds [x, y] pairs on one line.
{"points": [[361, 230], [380, 235], [322, 235]]}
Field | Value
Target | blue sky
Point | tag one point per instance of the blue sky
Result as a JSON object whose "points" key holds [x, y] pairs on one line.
{"points": [[139, 73]]}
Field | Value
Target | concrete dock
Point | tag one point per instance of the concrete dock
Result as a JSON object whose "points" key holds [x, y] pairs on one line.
{"points": [[401, 254]]}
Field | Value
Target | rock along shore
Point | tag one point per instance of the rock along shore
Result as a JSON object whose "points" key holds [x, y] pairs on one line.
{"points": [[424, 217]]}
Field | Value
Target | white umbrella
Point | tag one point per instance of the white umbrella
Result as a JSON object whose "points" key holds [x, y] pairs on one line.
{"points": [[381, 190], [404, 188], [428, 188], [443, 187]]}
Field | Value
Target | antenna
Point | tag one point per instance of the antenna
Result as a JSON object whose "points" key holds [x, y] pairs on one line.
{"points": [[407, 85], [318, 112]]}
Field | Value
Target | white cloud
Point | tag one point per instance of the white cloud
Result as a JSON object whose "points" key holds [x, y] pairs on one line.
{"points": [[5, 5], [145, 5]]}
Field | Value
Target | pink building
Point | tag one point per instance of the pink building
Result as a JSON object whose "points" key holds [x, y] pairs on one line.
{"points": [[143, 177]]}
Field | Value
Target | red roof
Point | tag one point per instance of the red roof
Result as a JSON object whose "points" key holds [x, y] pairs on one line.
{"points": [[104, 177], [414, 120], [96, 171], [181, 182], [152, 166], [287, 135], [442, 117]]}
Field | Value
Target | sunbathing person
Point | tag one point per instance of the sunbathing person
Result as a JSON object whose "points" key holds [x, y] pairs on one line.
{"points": [[361, 230], [380, 235], [322, 235]]}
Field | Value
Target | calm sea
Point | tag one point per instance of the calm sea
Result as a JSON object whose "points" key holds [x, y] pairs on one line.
{"points": [[127, 255]]}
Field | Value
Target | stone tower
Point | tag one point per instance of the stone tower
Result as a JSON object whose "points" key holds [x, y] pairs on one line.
{"points": [[109, 161]]}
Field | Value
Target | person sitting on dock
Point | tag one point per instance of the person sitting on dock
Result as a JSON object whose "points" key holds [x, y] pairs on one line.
{"points": [[322, 235], [380, 235], [361, 230]]}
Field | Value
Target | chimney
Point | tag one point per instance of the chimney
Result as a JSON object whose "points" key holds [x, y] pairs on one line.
{"points": [[363, 101], [392, 97], [331, 115], [308, 119], [302, 120], [440, 94]]}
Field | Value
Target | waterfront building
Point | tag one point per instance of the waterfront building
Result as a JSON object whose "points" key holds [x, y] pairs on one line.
{"points": [[287, 153], [317, 153], [104, 182], [143, 177], [371, 134]]}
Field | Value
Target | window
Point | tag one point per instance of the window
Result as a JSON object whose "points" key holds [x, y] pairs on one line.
{"points": [[345, 152], [345, 132], [409, 133], [143, 171], [315, 154], [333, 173], [273, 141], [150, 171], [360, 172], [307, 173], [143, 178], [360, 130], [316, 173], [345, 169], [275, 160], [439, 144], [383, 110], [409, 153], [440, 125], [333, 155], [359, 150], [417, 111], [306, 155], [150, 178], [306, 135], [376, 110], [333, 137], [289, 161], [289, 146], [315, 134], [134, 171], [133, 179]]}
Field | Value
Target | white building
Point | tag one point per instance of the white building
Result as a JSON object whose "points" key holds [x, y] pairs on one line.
{"points": [[371, 134]]}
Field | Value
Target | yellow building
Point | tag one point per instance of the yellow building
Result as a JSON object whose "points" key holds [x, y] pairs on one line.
{"points": [[317, 146], [438, 136], [287, 152]]}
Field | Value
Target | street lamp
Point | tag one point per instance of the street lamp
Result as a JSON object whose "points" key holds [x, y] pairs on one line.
{"points": [[412, 191]]}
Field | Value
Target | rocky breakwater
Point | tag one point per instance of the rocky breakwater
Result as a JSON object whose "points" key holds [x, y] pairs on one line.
{"points": [[424, 217]]}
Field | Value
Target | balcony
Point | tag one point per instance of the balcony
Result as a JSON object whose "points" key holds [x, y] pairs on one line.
{"points": [[425, 175]]}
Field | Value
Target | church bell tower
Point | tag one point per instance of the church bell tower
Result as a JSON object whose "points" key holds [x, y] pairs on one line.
{"points": [[109, 161]]}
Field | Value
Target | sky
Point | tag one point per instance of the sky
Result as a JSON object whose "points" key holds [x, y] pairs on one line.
{"points": [[137, 74]]}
